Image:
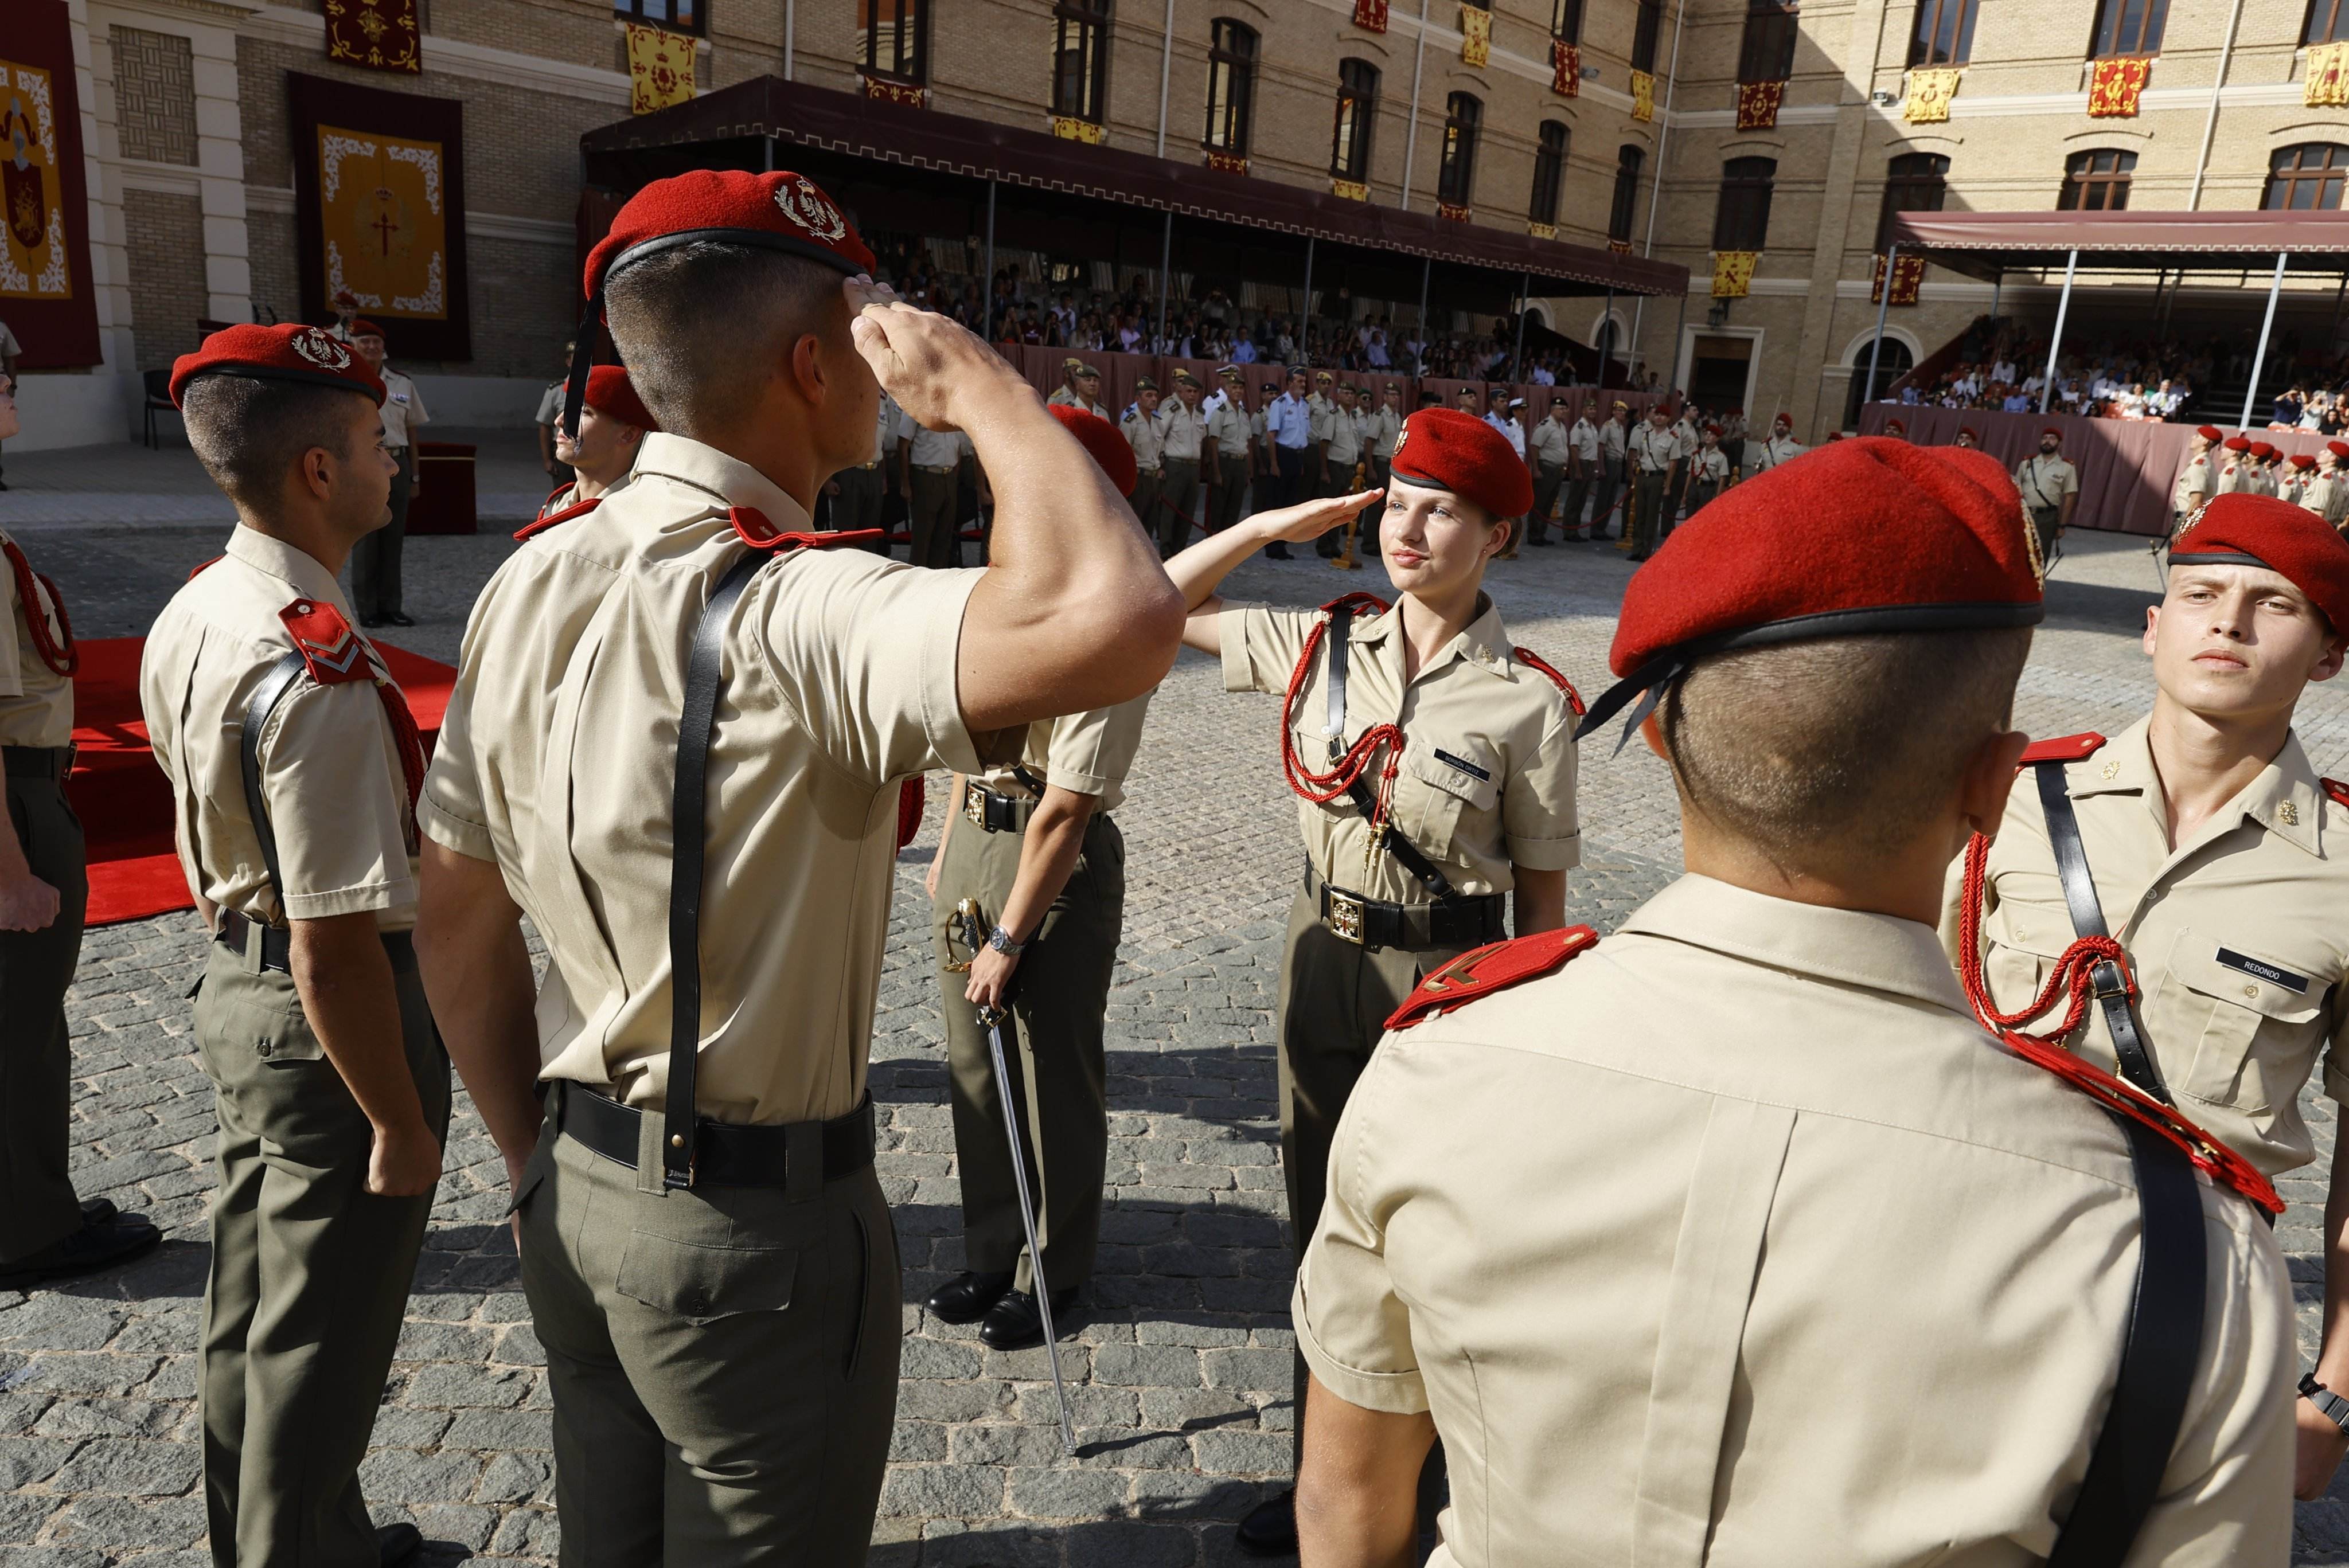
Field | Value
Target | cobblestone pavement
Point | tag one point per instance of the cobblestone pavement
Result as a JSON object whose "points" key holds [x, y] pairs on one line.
{"points": [[1181, 1359]]}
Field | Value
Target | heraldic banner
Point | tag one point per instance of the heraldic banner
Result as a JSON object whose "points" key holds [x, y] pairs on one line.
{"points": [[2115, 86], [1758, 104], [1732, 272], [45, 290], [379, 210], [2328, 75], [1371, 14], [377, 33], [1564, 69], [660, 68]]}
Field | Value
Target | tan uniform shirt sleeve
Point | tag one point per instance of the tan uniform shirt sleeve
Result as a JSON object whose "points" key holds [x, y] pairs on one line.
{"points": [[340, 817], [1352, 1327], [451, 811], [13, 619], [1537, 809], [1261, 646], [1092, 753]]}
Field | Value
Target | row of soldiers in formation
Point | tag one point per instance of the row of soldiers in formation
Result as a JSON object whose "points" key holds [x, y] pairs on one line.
{"points": [[2219, 464], [1764, 1227]]}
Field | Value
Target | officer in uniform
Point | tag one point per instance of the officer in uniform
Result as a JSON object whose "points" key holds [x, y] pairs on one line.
{"points": [[676, 741], [860, 492], [1584, 476], [550, 414], [1592, 1208], [2209, 844], [2051, 489], [1185, 445], [1434, 769], [1319, 479], [1614, 451], [1080, 388], [2196, 482], [1551, 449], [1343, 455], [2328, 494], [1781, 448], [2235, 472], [1288, 421], [293, 766], [1708, 471], [932, 463], [45, 1232], [1968, 440], [1381, 430], [1650, 458], [1233, 453], [1031, 844], [375, 564], [1684, 445], [2260, 476], [1733, 433], [2297, 479], [1894, 431], [613, 423], [1144, 430]]}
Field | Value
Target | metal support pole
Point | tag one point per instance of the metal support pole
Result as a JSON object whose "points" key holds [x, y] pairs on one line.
{"points": [[1305, 317], [1606, 334], [2333, 330], [1426, 272], [790, 34], [767, 154], [1165, 262], [1517, 359], [988, 308], [1997, 283], [1883, 308], [1166, 74], [2260, 359], [1411, 138], [1680, 320], [2055, 343]]}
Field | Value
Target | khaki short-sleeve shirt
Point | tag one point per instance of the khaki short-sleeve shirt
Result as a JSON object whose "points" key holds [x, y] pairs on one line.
{"points": [[2194, 478], [1083, 753], [36, 702], [558, 756], [2239, 941], [1487, 779], [1738, 1243], [331, 777], [1550, 444]]}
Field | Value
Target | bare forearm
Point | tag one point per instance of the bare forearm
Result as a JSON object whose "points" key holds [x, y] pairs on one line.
{"points": [[477, 975], [343, 978], [1198, 570], [2332, 1359], [1356, 1503], [1047, 855], [1539, 902]]}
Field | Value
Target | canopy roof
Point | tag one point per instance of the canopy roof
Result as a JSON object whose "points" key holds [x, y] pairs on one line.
{"points": [[922, 140], [1984, 244]]}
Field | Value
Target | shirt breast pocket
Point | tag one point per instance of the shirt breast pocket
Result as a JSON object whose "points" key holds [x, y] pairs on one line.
{"points": [[2026, 941], [1439, 788], [2242, 1019]]}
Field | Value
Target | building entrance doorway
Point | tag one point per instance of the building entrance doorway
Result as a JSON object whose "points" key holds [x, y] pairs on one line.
{"points": [[1720, 369]]}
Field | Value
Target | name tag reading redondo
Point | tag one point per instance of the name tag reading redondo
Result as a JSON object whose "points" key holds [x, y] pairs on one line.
{"points": [[2262, 970]]}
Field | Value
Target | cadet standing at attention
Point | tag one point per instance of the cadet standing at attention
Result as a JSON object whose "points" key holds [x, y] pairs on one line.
{"points": [[930, 462], [2234, 474], [613, 424], [1383, 426], [1708, 471], [1552, 452], [2051, 489], [1320, 478], [1232, 454], [1649, 455], [1433, 763], [45, 1232], [1582, 478], [1343, 455], [2214, 857], [860, 492], [1781, 448], [1186, 447], [1032, 845], [295, 764], [1144, 430], [1614, 447], [2197, 482], [675, 740], [1080, 387], [1595, 1229]]}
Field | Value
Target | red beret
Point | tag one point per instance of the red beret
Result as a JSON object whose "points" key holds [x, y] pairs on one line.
{"points": [[1712, 430], [780, 211], [610, 394], [2338, 449], [2242, 530], [1102, 439], [1784, 419], [1449, 450], [2262, 451], [2302, 460], [2238, 443], [2210, 433], [345, 296], [362, 327], [1798, 552], [290, 353], [1890, 424], [1970, 430], [2053, 431]]}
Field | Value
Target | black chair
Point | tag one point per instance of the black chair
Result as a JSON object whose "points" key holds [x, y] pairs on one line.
{"points": [[159, 399]]}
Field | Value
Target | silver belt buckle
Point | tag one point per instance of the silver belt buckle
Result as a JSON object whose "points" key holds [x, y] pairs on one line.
{"points": [[1345, 916], [974, 803]]}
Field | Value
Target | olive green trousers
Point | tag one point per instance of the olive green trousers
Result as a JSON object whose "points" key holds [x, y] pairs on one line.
{"points": [[38, 1205]]}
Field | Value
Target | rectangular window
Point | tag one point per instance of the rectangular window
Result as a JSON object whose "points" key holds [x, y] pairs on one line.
{"points": [[1357, 113], [1945, 33], [677, 16], [2328, 22], [1456, 181], [2129, 27], [1565, 21], [1741, 219], [1767, 54], [2097, 181], [1913, 182], [1621, 210], [1080, 59], [895, 36], [1646, 29], [1231, 87], [1549, 172], [2307, 178]]}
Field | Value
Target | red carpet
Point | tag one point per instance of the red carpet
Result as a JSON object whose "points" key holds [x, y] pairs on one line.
{"points": [[121, 797]]}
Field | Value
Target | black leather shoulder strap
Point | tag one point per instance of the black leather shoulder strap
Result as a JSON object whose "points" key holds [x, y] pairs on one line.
{"points": [[1406, 853], [687, 806], [2137, 1062], [272, 691], [2157, 1362]]}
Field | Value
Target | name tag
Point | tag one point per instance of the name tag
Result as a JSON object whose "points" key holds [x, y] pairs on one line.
{"points": [[2258, 968], [1463, 764], [399, 397]]}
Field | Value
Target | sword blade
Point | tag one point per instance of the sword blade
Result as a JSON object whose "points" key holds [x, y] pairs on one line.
{"points": [[993, 1021]]}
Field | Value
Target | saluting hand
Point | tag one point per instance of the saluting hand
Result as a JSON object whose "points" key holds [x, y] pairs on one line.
{"points": [[931, 366], [27, 903], [1308, 520]]}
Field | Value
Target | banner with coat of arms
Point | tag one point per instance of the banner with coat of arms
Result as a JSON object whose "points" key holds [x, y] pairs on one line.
{"points": [[660, 68], [1907, 277], [2115, 86], [1564, 69], [379, 34], [2328, 75], [379, 212], [1643, 95], [1929, 92], [1371, 14], [1758, 104], [45, 295], [1732, 272], [1475, 36]]}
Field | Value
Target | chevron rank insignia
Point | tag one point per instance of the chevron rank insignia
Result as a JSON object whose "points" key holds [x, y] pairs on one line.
{"points": [[326, 643]]}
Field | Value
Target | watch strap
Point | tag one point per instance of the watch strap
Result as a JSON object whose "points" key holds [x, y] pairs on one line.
{"points": [[1000, 940], [2335, 1407]]}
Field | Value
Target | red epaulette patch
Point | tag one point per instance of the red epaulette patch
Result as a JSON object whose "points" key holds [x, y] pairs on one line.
{"points": [[2064, 748], [326, 643], [1573, 698], [1357, 602], [2337, 790], [201, 567], [529, 530], [751, 527], [1493, 968]]}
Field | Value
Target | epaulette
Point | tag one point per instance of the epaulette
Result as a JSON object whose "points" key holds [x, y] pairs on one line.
{"points": [[751, 527], [326, 643], [2337, 790], [2064, 748], [1495, 967], [1357, 602], [199, 568], [530, 530], [1573, 698]]}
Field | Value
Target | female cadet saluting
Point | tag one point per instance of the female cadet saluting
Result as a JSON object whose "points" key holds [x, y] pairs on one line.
{"points": [[1433, 766]]}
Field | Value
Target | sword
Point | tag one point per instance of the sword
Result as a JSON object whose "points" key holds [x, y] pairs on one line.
{"points": [[992, 1020]]}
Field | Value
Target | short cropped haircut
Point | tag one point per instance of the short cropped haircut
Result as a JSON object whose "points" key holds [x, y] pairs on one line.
{"points": [[701, 326], [1852, 743], [249, 433]]}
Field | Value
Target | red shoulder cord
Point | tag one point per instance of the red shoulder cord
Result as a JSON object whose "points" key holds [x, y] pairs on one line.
{"points": [[2072, 972], [62, 661], [1323, 787], [1573, 698]]}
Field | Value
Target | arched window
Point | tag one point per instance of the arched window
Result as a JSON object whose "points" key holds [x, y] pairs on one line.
{"points": [[1231, 87], [2097, 181], [1913, 182], [1627, 192], [1894, 363], [1549, 172], [2129, 27], [2306, 178], [1080, 59], [2328, 22], [1945, 33], [1565, 21], [1740, 220], [1358, 116], [1767, 54], [1646, 29], [1463, 113], [896, 37]]}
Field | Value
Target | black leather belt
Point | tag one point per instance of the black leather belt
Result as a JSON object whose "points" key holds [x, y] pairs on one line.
{"points": [[37, 761], [1469, 921], [724, 1155], [236, 934], [996, 813]]}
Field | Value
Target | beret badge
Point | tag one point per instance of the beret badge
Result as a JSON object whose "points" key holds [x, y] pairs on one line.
{"points": [[320, 349], [810, 207]]}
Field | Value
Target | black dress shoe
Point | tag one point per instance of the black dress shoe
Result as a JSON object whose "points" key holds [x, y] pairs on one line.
{"points": [[370, 621], [397, 1543], [965, 1297], [97, 1211], [400, 618], [1015, 1323], [1270, 1528], [91, 1248]]}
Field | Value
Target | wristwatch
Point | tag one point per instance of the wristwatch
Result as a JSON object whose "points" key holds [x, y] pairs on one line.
{"points": [[1000, 940], [2335, 1407]]}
